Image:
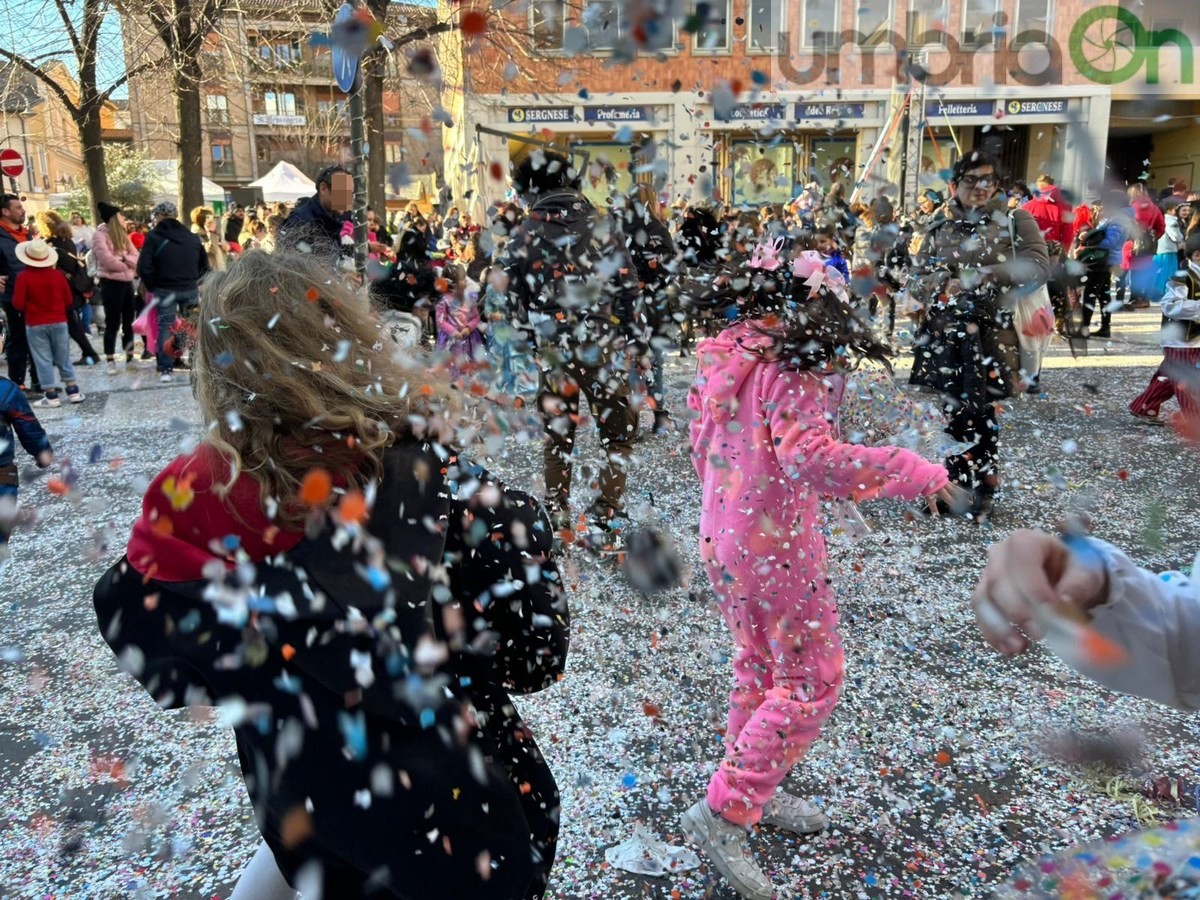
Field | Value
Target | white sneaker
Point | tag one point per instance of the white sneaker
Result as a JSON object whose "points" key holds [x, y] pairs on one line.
{"points": [[165, 378], [112, 368], [794, 814], [76, 397], [727, 847]]}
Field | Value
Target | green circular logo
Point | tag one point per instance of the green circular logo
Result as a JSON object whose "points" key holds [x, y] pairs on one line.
{"points": [[1108, 45]]}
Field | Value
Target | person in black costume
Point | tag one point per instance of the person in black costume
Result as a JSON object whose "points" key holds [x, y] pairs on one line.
{"points": [[368, 598]]}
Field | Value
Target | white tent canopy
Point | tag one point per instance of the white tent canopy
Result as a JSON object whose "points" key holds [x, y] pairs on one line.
{"points": [[167, 189], [285, 183]]}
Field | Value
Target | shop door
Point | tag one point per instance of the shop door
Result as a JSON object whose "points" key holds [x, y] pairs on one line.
{"points": [[1009, 145], [831, 160]]}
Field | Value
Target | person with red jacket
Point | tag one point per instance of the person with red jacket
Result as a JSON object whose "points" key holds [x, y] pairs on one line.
{"points": [[43, 294], [1054, 215], [1145, 213]]}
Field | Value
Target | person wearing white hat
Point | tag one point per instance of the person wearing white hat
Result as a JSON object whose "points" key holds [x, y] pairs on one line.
{"points": [[43, 294]]}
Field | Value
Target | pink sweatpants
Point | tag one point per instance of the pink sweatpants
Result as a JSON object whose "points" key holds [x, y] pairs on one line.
{"points": [[788, 666], [1165, 384]]}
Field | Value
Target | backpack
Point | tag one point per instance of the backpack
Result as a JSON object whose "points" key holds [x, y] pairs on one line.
{"points": [[93, 267], [1144, 242]]}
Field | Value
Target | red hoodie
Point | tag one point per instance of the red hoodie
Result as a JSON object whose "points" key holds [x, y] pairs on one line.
{"points": [[1053, 214], [44, 295], [1149, 216]]}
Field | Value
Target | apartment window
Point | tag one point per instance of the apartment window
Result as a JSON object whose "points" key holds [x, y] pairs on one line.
{"points": [[713, 33], [287, 53], [820, 23], [602, 20], [395, 152], [222, 158], [873, 18], [766, 21], [548, 22], [217, 106], [279, 104], [927, 22], [983, 22], [1033, 22]]}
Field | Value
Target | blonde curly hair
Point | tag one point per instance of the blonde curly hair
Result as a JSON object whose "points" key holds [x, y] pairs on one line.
{"points": [[293, 372]]}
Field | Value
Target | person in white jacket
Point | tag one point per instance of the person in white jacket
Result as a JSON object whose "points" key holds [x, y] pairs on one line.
{"points": [[1154, 618], [1179, 375]]}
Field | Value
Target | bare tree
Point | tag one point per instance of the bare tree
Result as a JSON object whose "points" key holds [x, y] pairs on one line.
{"points": [[80, 40], [183, 26]]}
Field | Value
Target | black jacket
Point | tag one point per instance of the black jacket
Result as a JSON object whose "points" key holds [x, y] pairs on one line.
{"points": [[311, 229], [172, 259], [70, 265], [343, 683], [568, 277]]}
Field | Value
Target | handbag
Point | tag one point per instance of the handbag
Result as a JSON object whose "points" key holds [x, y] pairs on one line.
{"points": [[1031, 339]]}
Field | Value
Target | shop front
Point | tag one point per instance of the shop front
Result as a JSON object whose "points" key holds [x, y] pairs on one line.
{"points": [[766, 153]]}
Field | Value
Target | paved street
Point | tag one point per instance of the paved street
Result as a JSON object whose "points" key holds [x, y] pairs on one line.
{"points": [[934, 766]]}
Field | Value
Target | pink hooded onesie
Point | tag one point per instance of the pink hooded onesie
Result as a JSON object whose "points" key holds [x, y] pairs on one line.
{"points": [[766, 447]]}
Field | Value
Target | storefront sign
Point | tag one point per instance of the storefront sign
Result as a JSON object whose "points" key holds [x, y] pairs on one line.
{"points": [[539, 114], [763, 112], [837, 110], [1034, 107], [615, 114], [953, 108]]}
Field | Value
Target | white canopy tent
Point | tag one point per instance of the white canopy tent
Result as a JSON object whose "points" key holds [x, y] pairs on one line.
{"points": [[285, 183], [167, 188]]}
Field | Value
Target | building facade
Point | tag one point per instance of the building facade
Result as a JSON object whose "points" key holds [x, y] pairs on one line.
{"points": [[766, 95], [35, 123], [268, 96]]}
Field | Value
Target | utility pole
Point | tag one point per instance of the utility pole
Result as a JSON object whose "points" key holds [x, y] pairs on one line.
{"points": [[914, 134], [358, 151]]}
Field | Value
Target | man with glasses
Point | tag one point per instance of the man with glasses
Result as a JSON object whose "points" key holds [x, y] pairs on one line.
{"points": [[975, 252]]}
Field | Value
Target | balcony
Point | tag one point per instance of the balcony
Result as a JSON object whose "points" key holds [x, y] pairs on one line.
{"points": [[223, 168], [218, 118]]}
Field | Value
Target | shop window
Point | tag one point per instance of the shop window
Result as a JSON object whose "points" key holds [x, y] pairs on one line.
{"points": [[713, 35], [217, 107], [983, 22], [762, 173], [927, 22], [222, 159], [548, 22], [821, 24], [1033, 22], [766, 21], [832, 161], [602, 20], [608, 173]]}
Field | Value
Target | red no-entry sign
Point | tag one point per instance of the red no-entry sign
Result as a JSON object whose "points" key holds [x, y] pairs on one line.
{"points": [[11, 163]]}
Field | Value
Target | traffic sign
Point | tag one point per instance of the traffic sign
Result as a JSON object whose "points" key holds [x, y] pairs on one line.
{"points": [[346, 49], [11, 163]]}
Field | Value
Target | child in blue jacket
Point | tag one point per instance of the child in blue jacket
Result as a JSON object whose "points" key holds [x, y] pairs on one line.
{"points": [[16, 415]]}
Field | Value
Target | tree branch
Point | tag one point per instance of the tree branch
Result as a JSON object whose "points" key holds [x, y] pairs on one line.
{"points": [[44, 78], [76, 45], [129, 73]]}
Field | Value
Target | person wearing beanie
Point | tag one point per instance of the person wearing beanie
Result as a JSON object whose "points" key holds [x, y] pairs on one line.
{"points": [[171, 264], [116, 260], [43, 295]]}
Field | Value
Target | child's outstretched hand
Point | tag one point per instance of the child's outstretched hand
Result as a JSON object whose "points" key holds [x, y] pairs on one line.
{"points": [[955, 497], [45, 459]]}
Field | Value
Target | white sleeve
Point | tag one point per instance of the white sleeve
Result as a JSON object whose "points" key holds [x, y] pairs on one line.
{"points": [[1176, 304], [1156, 619]]}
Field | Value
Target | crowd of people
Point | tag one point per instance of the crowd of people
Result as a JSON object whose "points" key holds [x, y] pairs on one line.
{"points": [[373, 597]]}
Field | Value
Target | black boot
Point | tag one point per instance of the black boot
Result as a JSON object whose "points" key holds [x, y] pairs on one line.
{"points": [[982, 508]]}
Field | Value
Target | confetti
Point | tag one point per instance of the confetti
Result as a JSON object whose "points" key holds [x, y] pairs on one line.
{"points": [[316, 488]]}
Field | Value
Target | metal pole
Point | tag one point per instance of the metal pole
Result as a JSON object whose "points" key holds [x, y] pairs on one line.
{"points": [[358, 150]]}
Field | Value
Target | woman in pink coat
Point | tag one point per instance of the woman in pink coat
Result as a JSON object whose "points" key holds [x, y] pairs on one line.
{"points": [[116, 260], [767, 448]]}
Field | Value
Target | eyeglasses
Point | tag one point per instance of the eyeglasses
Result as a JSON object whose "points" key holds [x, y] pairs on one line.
{"points": [[982, 181]]}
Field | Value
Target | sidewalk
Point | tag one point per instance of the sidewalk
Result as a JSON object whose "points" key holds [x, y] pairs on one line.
{"points": [[932, 764]]}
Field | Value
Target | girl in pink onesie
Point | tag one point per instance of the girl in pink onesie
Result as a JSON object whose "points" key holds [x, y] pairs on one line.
{"points": [[767, 449]]}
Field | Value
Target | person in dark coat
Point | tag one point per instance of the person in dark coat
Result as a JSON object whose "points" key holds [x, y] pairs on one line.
{"points": [[56, 231], [974, 253], [565, 281], [364, 596], [650, 247], [315, 225], [171, 264]]}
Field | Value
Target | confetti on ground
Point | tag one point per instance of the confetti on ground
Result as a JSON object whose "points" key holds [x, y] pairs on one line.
{"points": [[104, 795]]}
